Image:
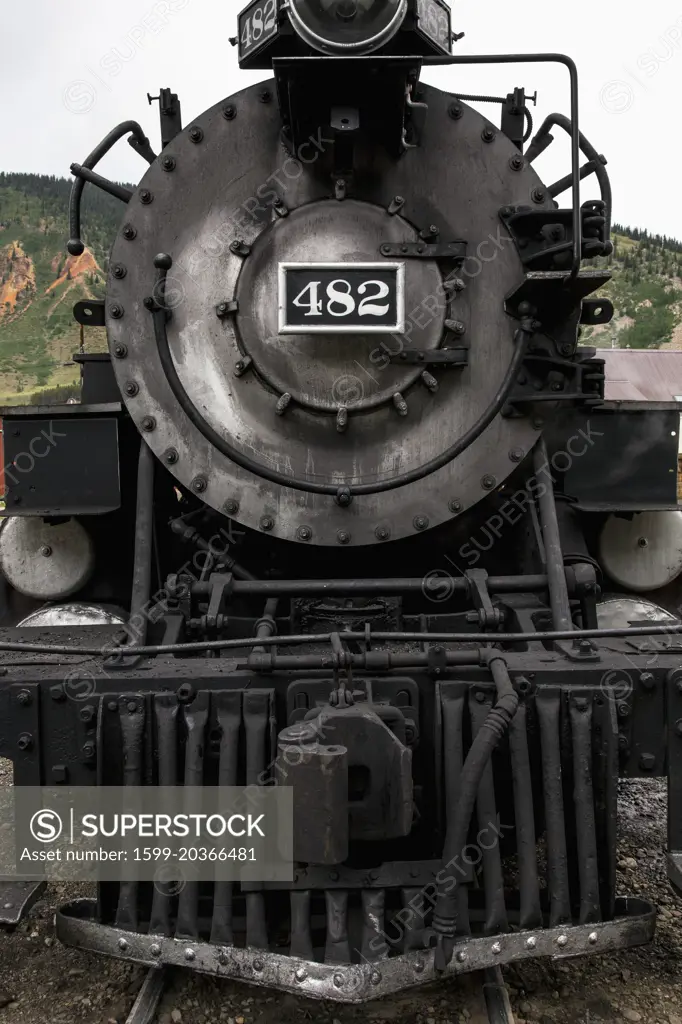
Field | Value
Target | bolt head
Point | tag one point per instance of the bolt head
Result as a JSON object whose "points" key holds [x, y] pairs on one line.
{"points": [[24, 698], [592, 938], [338, 980], [455, 506], [375, 977], [120, 351], [538, 195], [146, 197], [496, 947], [231, 506], [129, 232], [266, 523], [455, 111], [190, 954], [155, 949], [301, 974], [122, 944], [304, 533], [265, 96], [488, 482], [170, 456], [148, 423], [562, 940], [229, 112], [343, 537], [420, 522], [516, 454], [531, 942], [196, 134], [119, 271], [199, 484], [488, 134], [648, 680], [168, 163], [382, 533], [116, 311], [131, 389], [461, 956], [516, 162]]}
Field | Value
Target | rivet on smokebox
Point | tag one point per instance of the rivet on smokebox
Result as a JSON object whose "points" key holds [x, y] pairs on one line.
{"points": [[199, 484]]}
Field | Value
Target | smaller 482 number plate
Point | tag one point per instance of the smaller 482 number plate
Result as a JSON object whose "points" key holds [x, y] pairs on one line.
{"points": [[341, 298], [257, 24]]}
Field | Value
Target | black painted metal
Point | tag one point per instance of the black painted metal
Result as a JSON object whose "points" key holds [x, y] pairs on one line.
{"points": [[138, 141]]}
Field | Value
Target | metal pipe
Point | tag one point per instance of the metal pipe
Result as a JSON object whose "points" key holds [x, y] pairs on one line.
{"points": [[267, 625], [197, 646], [358, 587], [142, 558], [554, 559]]}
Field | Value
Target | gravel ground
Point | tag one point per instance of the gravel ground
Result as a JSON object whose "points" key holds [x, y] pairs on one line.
{"points": [[42, 981]]}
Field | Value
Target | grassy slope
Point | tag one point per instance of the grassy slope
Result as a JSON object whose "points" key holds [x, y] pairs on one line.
{"points": [[646, 291], [39, 335]]}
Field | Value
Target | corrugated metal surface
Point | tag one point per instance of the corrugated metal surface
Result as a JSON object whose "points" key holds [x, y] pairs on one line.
{"points": [[642, 375]]}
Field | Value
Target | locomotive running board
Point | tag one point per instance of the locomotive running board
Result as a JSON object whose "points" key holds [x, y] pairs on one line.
{"points": [[76, 926]]}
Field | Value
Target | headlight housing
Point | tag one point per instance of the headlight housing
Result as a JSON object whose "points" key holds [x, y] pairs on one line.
{"points": [[352, 27]]}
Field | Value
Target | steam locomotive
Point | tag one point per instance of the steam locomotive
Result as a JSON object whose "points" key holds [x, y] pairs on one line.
{"points": [[346, 467]]}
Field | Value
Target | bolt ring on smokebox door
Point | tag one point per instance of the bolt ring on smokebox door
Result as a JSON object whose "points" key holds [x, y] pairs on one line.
{"points": [[241, 410]]}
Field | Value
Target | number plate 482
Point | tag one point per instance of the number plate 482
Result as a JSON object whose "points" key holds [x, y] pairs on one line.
{"points": [[257, 24], [341, 298]]}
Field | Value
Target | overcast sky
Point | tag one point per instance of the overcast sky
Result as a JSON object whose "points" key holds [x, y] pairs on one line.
{"points": [[70, 71]]}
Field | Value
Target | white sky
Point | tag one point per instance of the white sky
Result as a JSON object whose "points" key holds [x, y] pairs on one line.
{"points": [[70, 71]]}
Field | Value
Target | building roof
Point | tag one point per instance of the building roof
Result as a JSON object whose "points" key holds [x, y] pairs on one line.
{"points": [[642, 375]]}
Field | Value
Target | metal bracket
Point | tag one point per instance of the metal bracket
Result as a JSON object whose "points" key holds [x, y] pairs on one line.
{"points": [[89, 314], [434, 357], [170, 115], [221, 588], [596, 311], [485, 615], [425, 250]]}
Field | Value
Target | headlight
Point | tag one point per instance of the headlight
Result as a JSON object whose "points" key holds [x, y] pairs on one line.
{"points": [[347, 26]]}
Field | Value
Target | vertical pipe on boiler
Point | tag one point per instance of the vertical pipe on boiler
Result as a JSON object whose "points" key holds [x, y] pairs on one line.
{"points": [[554, 559]]}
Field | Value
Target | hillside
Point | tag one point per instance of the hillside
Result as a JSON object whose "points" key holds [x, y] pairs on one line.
{"points": [[646, 291], [39, 285]]}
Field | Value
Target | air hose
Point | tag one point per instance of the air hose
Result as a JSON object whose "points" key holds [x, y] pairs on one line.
{"points": [[480, 752]]}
